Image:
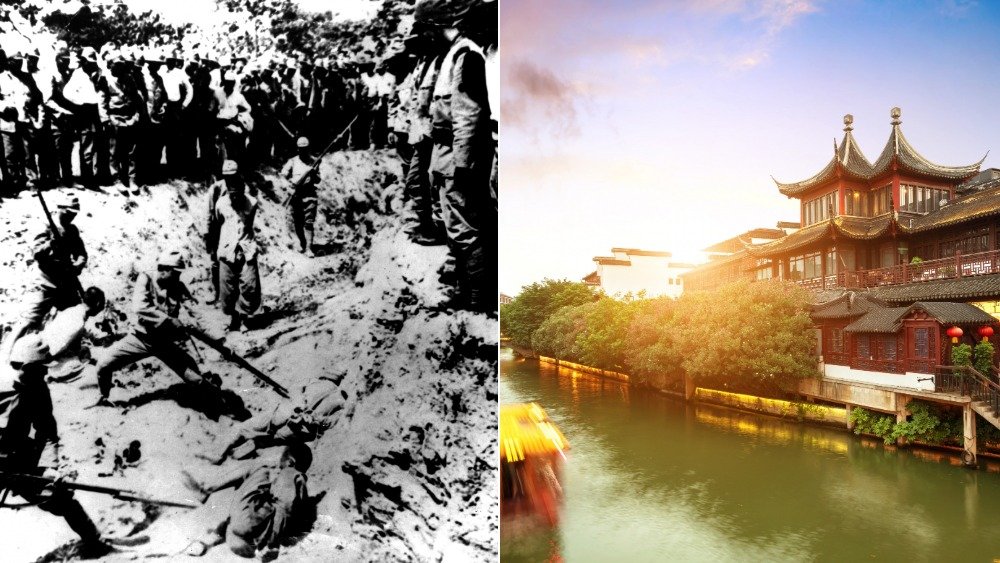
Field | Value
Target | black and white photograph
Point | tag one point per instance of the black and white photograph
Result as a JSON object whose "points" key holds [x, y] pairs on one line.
{"points": [[248, 265]]}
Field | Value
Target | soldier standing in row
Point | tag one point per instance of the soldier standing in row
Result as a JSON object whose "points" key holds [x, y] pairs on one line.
{"points": [[300, 170], [13, 107], [462, 159], [232, 242]]}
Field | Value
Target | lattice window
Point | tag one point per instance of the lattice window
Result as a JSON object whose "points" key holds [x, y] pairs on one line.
{"points": [[864, 346], [922, 342]]}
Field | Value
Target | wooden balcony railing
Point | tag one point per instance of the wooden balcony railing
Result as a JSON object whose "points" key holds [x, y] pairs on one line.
{"points": [[958, 266]]}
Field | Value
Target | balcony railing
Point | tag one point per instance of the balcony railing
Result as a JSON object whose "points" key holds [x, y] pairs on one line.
{"points": [[958, 266]]}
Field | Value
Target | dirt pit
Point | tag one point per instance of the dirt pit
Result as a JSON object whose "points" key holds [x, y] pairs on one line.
{"points": [[360, 323]]}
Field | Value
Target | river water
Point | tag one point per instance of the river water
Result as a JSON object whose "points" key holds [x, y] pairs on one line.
{"points": [[649, 478]]}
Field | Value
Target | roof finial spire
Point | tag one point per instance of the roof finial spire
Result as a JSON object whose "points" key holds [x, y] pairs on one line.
{"points": [[895, 113], [848, 121]]}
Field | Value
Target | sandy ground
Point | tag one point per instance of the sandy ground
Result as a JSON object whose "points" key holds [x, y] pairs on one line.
{"points": [[359, 321]]}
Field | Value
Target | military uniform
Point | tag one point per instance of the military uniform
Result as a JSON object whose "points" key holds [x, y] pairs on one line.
{"points": [[460, 168], [304, 199], [157, 333], [426, 225], [232, 241], [29, 440], [266, 507]]}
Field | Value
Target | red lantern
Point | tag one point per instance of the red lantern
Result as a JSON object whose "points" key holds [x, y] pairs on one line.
{"points": [[986, 332], [955, 333]]}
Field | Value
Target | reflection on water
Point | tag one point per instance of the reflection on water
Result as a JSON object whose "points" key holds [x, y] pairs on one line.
{"points": [[650, 478]]}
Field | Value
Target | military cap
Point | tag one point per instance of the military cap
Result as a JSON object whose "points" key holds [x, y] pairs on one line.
{"points": [[70, 204], [171, 259], [302, 142], [229, 168]]}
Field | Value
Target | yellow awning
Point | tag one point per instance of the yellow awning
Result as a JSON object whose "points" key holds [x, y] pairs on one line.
{"points": [[525, 430]]}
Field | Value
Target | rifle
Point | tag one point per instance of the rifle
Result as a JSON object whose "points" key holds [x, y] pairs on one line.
{"points": [[77, 286], [236, 359], [120, 494], [319, 159]]}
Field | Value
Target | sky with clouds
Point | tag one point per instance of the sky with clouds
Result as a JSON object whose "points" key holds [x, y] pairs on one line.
{"points": [[659, 125]]}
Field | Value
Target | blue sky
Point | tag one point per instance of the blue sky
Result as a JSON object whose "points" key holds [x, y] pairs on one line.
{"points": [[658, 125]]}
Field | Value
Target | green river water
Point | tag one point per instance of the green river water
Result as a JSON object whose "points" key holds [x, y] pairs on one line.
{"points": [[649, 478]]}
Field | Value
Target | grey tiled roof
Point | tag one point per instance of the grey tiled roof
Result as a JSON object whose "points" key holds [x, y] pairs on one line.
{"points": [[878, 320], [953, 313], [976, 205], [973, 287], [844, 307]]}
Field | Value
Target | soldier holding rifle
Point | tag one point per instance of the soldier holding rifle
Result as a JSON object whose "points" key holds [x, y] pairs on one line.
{"points": [[301, 171], [29, 444], [156, 302]]}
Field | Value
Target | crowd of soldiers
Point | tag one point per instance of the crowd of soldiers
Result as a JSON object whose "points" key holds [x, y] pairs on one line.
{"points": [[139, 116], [136, 114]]}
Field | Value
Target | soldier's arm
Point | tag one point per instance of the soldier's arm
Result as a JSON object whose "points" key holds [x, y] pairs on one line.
{"points": [[470, 110], [144, 303], [188, 91]]}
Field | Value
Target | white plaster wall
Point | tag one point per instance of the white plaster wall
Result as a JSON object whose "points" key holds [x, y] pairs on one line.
{"points": [[906, 380]]}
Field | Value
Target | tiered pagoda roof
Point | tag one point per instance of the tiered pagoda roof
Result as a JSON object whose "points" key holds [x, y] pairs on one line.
{"points": [[847, 158], [899, 149], [849, 227], [848, 161]]}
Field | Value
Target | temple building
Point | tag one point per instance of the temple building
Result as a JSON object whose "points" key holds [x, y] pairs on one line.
{"points": [[903, 255], [903, 220]]}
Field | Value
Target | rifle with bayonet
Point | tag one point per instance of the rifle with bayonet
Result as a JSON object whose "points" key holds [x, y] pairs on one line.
{"points": [[235, 358], [317, 161], [57, 238], [8, 479]]}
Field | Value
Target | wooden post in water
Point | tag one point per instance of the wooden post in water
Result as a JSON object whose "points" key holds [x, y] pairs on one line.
{"points": [[850, 423], [902, 402], [969, 434], [689, 388]]}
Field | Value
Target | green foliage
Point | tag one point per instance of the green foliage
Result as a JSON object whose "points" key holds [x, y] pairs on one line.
{"points": [[869, 422], [986, 433], [557, 336], [536, 303], [96, 25], [603, 339], [651, 356], [928, 423], [961, 355], [925, 425], [984, 357], [916, 261], [754, 336]]}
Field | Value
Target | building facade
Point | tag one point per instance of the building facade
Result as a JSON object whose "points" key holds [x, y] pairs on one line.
{"points": [[635, 271]]}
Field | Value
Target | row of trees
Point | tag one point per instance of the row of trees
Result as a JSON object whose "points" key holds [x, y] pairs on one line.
{"points": [[84, 23], [746, 336]]}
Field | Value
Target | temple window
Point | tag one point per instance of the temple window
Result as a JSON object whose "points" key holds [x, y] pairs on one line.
{"points": [[818, 209], [864, 346], [805, 267], [968, 242], [921, 199], [837, 340], [856, 203], [881, 198]]}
